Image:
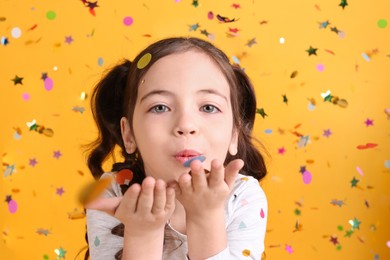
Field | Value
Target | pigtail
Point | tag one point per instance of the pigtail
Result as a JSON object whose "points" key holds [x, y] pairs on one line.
{"points": [[106, 105], [254, 161]]}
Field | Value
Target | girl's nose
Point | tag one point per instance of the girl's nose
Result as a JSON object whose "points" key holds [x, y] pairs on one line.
{"points": [[185, 125]]}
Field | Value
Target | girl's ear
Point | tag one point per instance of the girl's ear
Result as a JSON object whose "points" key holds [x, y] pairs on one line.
{"points": [[127, 136], [233, 147]]}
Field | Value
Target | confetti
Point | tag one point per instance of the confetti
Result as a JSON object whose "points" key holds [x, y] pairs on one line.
{"points": [[359, 170], [17, 80], [224, 19], [51, 15], [60, 253], [281, 40], [320, 67], [144, 61], [12, 206], [312, 51], [210, 15], [382, 23], [262, 215], [306, 177], [16, 32], [128, 20], [76, 214], [246, 252], [124, 177], [26, 96], [289, 249], [100, 61], [93, 190], [366, 146], [48, 83]]}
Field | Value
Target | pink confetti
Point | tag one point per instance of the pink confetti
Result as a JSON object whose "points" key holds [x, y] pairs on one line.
{"points": [[262, 215], [12, 206], [320, 67], [359, 170], [128, 21], [49, 84], [306, 176], [210, 15], [289, 249], [26, 96], [388, 244]]}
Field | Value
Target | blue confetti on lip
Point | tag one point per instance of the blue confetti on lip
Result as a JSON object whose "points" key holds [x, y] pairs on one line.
{"points": [[188, 162]]}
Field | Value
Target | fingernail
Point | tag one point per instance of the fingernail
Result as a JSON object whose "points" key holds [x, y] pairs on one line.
{"points": [[201, 158]]}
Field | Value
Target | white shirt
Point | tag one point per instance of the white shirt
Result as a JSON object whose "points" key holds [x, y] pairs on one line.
{"points": [[246, 211]]}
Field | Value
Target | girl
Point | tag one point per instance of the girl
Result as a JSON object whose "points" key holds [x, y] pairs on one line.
{"points": [[183, 118]]}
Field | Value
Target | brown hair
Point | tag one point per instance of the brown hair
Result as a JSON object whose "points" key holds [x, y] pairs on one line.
{"points": [[115, 96]]}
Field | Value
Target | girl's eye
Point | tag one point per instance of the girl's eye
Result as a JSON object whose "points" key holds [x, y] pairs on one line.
{"points": [[210, 109], [159, 109]]}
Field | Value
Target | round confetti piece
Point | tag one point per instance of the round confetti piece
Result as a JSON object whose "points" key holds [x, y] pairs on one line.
{"points": [[100, 61], [128, 21], [210, 15], [268, 131], [51, 15], [320, 67], [387, 164], [306, 176], [388, 244], [144, 61], [12, 206], [49, 84], [26, 96], [16, 32], [246, 252], [382, 23], [281, 40], [124, 177]]}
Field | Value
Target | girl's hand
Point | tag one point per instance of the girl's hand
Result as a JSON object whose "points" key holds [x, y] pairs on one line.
{"points": [[202, 193], [143, 208]]}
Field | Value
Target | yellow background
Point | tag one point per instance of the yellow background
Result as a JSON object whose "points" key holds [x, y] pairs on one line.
{"points": [[302, 218]]}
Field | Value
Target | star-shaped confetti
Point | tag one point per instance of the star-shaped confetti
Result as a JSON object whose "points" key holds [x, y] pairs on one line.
{"points": [[339, 203], [334, 240], [194, 27], [251, 42], [44, 76], [281, 150], [33, 162], [17, 80], [9, 169], [42, 231], [57, 154], [261, 112], [302, 169], [8, 198], [355, 223], [204, 32], [348, 233], [369, 122], [334, 29], [60, 252], [354, 182], [195, 3], [311, 51], [343, 3], [60, 191], [327, 133], [324, 25], [236, 6], [69, 39]]}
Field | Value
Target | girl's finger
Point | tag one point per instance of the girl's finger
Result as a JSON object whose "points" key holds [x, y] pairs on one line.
{"points": [[199, 180], [170, 200], [185, 183], [216, 174], [159, 197], [232, 170], [145, 200], [108, 205]]}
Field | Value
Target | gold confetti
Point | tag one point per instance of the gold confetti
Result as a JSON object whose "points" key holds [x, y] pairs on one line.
{"points": [[144, 61], [246, 252]]}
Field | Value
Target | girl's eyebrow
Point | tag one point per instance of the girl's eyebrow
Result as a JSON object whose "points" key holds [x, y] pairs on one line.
{"points": [[168, 93], [156, 92]]}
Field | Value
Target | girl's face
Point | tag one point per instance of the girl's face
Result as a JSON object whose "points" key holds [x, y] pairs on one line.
{"points": [[183, 110]]}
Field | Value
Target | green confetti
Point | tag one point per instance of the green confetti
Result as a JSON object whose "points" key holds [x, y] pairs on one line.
{"points": [[382, 23], [51, 15]]}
